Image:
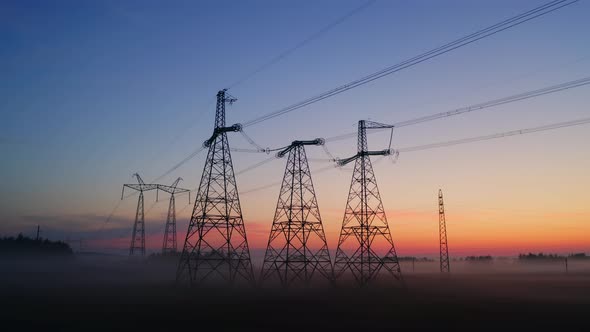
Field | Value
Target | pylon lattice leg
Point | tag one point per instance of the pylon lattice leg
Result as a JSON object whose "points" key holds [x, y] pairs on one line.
{"points": [[138, 235], [297, 251], [169, 245]]}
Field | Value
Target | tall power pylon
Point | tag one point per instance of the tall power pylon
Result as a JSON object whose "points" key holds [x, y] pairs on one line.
{"points": [[297, 250], [365, 246], [216, 248], [442, 229], [138, 235], [169, 244]]}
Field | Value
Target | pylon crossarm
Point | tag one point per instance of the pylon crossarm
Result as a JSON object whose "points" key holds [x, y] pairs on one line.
{"points": [[139, 187], [172, 190], [342, 162], [317, 141], [376, 125], [220, 130]]}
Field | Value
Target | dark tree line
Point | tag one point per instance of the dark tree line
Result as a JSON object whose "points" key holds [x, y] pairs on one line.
{"points": [[415, 259], [542, 256], [487, 258], [26, 246]]}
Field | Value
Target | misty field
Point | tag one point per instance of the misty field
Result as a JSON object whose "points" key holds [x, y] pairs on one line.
{"points": [[111, 293]]}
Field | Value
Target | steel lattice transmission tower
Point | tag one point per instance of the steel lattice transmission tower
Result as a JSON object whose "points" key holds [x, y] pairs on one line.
{"points": [[442, 228], [169, 244], [216, 248], [138, 235], [297, 253], [365, 246]]}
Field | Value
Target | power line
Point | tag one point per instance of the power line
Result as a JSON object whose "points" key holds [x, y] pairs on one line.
{"points": [[251, 141], [496, 102], [466, 40], [481, 106], [321, 170], [268, 160], [302, 43], [506, 24], [245, 150], [111, 214], [519, 19], [524, 131], [181, 132], [252, 167], [327, 152], [114, 210], [499, 101], [466, 109], [187, 205], [179, 164], [273, 61], [494, 136]]}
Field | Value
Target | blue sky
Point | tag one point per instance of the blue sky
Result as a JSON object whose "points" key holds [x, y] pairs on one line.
{"points": [[93, 91]]}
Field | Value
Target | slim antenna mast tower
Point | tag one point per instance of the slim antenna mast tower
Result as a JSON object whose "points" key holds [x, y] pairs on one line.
{"points": [[365, 246], [169, 244], [442, 229], [297, 249], [138, 235], [216, 248]]}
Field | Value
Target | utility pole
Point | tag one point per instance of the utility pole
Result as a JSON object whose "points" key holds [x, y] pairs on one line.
{"points": [[297, 249], [365, 246], [138, 235], [38, 231], [215, 247], [442, 230], [169, 244]]}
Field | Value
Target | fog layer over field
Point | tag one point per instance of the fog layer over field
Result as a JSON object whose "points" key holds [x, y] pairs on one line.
{"points": [[118, 292]]}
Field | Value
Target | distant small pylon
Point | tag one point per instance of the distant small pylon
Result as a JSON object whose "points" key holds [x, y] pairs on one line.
{"points": [[138, 235], [169, 244], [442, 228]]}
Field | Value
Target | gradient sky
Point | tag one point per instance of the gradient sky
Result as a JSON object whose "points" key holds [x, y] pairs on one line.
{"points": [[93, 91]]}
